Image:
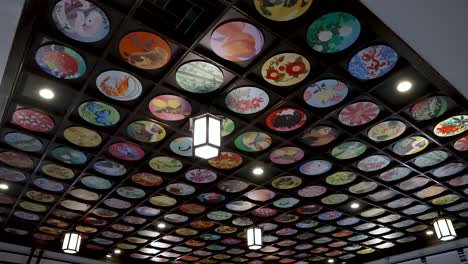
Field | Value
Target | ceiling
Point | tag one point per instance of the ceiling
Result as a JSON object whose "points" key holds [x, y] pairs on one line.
{"points": [[110, 155]]}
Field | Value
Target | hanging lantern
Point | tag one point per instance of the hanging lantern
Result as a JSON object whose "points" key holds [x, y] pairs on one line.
{"points": [[254, 238], [206, 130], [71, 243], [444, 228]]}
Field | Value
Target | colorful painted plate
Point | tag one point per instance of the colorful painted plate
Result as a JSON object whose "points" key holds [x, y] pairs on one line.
{"points": [[413, 183], [170, 107], [449, 169], [363, 187], [17, 160], [374, 212], [65, 214], [394, 174], [201, 176], [286, 119], [74, 205], [211, 197], [429, 108], [147, 211], [109, 168], [82, 137], [247, 100], [146, 131], [101, 212], [312, 191], [430, 191], [146, 179], [237, 41], [56, 171], [148, 233], [362, 227], [285, 69], [69, 156], [315, 167], [48, 185], [60, 61], [372, 62], [333, 32], [112, 235], [165, 164], [96, 183], [199, 77], [264, 212], [144, 50], [134, 220], [382, 195], [459, 181], [410, 145], [348, 221], [23, 142], [119, 85], [386, 130], [253, 141], [191, 208], [452, 126], [175, 218], [180, 189], [373, 163], [85, 194], [33, 120], [26, 216], [99, 113], [131, 192], [226, 161], [359, 113], [286, 202], [319, 136], [416, 209], [286, 182], [182, 146], [431, 158], [286, 155], [11, 175], [333, 199], [341, 178], [348, 150], [232, 186], [239, 206], [461, 144], [282, 10], [260, 195], [33, 207], [219, 215], [325, 93], [126, 151], [15, 231]]}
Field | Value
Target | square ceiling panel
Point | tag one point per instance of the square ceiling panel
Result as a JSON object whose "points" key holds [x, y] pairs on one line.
{"points": [[353, 169]]}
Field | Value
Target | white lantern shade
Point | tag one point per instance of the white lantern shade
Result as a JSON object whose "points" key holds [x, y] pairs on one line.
{"points": [[254, 238], [444, 229], [71, 243], [206, 135]]}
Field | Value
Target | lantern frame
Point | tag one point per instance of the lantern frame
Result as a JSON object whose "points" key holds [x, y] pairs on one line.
{"points": [[206, 135], [254, 236], [444, 229], [71, 242]]}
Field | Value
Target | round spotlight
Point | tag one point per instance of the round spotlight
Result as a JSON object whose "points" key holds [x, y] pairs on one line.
{"points": [[108, 256], [161, 225], [3, 186], [429, 232], [331, 261], [117, 251], [404, 86], [258, 171], [47, 93], [355, 205]]}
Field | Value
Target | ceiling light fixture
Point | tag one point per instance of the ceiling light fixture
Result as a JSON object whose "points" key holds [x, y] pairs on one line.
{"points": [[71, 243], [444, 228], [257, 171], [331, 261], [429, 232], [108, 256], [47, 93], [117, 251], [355, 205], [206, 130], [254, 238], [404, 86], [161, 225], [3, 186]]}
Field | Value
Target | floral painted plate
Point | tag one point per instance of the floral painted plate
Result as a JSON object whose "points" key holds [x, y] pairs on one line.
{"points": [[325, 93], [60, 61], [199, 77], [131, 192], [413, 183], [146, 131], [126, 151], [226, 161], [410, 145], [333, 199], [286, 119], [319, 136], [200, 176], [374, 212], [98, 113], [180, 189], [348, 150], [260, 195], [286, 202], [394, 174], [11, 175], [430, 191], [247, 100], [182, 146], [242, 221], [65, 214], [402, 202], [69, 155], [461, 144], [330, 215], [101, 212], [386, 130], [48, 185], [232, 186], [119, 85], [417, 209], [170, 107], [239, 206], [452, 126], [429, 108], [82, 137], [382, 195], [373, 163], [459, 181], [363, 187], [225, 229], [146, 179], [165, 164], [312, 191], [309, 209], [449, 169], [147, 211], [17, 160], [56, 171], [175, 218], [333, 32], [219, 215], [96, 183], [33, 120], [282, 10], [74, 205], [430, 158], [109, 168], [341, 178], [264, 212], [372, 62], [359, 113], [237, 41], [286, 182], [85, 194], [211, 197], [23, 142], [315, 167], [286, 155], [285, 69], [33, 207], [112, 235], [26, 216], [144, 50], [191, 208]]}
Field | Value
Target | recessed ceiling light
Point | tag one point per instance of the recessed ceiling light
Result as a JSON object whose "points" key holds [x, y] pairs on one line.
{"points": [[117, 251], [47, 93], [3, 186], [161, 225], [429, 232], [330, 261], [258, 171], [108, 256], [404, 86], [355, 205]]}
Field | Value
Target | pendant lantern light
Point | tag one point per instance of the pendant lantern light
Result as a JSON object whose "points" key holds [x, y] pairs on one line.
{"points": [[444, 228], [71, 243], [206, 130], [254, 237]]}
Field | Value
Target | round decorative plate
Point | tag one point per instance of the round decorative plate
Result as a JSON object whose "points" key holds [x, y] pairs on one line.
{"points": [[461, 144], [429, 108], [180, 189], [65, 214], [386, 130], [285, 69], [126, 151], [5, 199], [417, 209], [17, 160], [33, 207], [431, 158], [60, 61], [359, 113], [191, 208], [287, 202], [286, 155], [335, 199], [382, 195], [253, 141], [33, 120], [211, 197], [325, 229], [260, 195], [48, 185], [175, 218], [16, 231], [146, 131], [144, 50], [226, 161], [27, 216], [69, 156], [286, 119], [413, 183], [109, 168], [452, 126], [147, 179], [239, 206], [410, 145], [330, 215], [112, 235], [309, 209], [312, 191], [306, 224], [57, 171], [341, 178], [325, 93], [363, 187], [95, 182], [99, 113], [373, 163], [82, 137], [430, 191], [11, 175], [225, 229], [319, 136], [315, 167], [228, 126], [134, 220], [348, 150], [101, 212], [372, 62], [119, 85], [219, 215], [147, 211], [394, 174], [23, 142], [449, 169], [236, 41], [148, 233], [131, 192], [199, 77], [182, 146], [333, 32], [282, 10], [459, 181], [170, 107], [374, 212], [247, 100], [264, 212], [200, 176], [85, 194], [286, 182], [165, 164], [74, 205], [232, 186]]}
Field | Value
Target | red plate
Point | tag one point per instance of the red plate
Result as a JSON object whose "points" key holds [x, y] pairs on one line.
{"points": [[286, 119]]}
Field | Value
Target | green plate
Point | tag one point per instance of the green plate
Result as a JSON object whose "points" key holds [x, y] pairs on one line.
{"points": [[98, 113]]}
